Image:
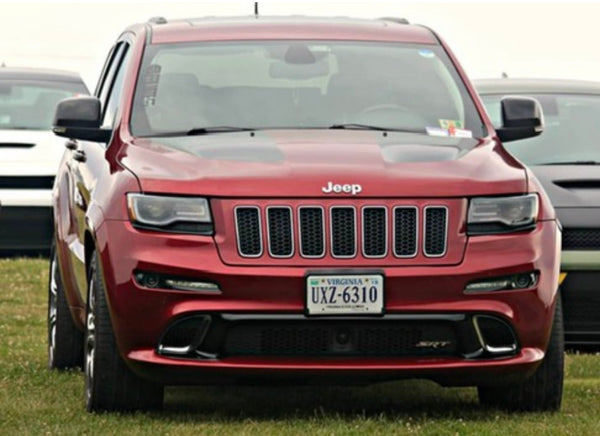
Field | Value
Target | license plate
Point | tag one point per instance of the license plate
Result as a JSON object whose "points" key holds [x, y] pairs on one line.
{"points": [[344, 294]]}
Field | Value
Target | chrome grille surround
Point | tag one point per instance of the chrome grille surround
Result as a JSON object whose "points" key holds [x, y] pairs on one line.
{"points": [[279, 235], [323, 232], [385, 233], [241, 250], [332, 234], [416, 232], [427, 228]]}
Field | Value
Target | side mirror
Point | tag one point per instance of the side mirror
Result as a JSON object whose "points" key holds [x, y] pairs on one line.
{"points": [[79, 118], [522, 118]]}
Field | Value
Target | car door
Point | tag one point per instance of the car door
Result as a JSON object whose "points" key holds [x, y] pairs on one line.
{"points": [[88, 159]]}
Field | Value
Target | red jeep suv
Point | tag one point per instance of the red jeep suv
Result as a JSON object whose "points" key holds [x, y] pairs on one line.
{"points": [[306, 200]]}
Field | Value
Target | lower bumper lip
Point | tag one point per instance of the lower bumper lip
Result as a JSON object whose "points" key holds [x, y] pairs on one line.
{"points": [[449, 372]]}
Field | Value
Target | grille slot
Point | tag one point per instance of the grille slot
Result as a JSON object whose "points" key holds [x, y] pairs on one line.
{"points": [[26, 182], [280, 233], [249, 233], [581, 239], [436, 221], [343, 232], [405, 231], [312, 231], [374, 231]]}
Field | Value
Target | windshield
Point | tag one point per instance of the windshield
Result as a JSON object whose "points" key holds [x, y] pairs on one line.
{"points": [[570, 129], [300, 84], [30, 104]]}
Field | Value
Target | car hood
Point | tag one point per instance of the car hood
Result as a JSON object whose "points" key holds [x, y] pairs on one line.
{"points": [[29, 152], [299, 163]]}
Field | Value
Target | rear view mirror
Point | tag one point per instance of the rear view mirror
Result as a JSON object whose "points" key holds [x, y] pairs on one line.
{"points": [[522, 118], [283, 70], [79, 118]]}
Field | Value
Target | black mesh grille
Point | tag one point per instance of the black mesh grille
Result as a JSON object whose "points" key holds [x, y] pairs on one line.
{"points": [[405, 231], [26, 182], [249, 233], [338, 339], [435, 231], [581, 239], [343, 232], [581, 306], [374, 231], [312, 240], [280, 231]]}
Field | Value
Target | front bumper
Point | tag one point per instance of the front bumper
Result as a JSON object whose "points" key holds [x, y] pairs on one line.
{"points": [[141, 316], [25, 228]]}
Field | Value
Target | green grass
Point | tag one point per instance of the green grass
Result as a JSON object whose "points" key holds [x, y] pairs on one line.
{"points": [[36, 401]]}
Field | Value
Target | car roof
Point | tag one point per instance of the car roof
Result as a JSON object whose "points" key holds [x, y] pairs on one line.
{"points": [[14, 73], [536, 86], [290, 27]]}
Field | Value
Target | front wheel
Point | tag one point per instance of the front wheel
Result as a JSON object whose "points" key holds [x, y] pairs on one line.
{"points": [[542, 392], [65, 341], [109, 383]]}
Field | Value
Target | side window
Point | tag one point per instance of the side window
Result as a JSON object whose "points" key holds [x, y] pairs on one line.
{"points": [[108, 72], [111, 103]]}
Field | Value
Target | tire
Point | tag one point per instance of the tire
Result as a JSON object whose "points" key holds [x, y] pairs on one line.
{"points": [[542, 392], [65, 340], [109, 384]]}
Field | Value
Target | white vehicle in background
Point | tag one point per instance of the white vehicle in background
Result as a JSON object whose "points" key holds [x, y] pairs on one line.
{"points": [[30, 153]]}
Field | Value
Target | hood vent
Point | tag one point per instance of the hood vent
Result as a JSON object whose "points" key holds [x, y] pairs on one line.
{"points": [[578, 184], [16, 145]]}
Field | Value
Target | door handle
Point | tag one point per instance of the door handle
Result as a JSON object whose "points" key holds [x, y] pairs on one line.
{"points": [[79, 155]]}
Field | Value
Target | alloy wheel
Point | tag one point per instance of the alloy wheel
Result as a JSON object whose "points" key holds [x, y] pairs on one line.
{"points": [[52, 311], [90, 342]]}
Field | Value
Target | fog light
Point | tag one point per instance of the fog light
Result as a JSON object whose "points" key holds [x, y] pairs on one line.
{"points": [[148, 280], [516, 281], [153, 281]]}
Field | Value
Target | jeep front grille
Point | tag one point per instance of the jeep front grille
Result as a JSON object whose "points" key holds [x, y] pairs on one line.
{"points": [[342, 231]]}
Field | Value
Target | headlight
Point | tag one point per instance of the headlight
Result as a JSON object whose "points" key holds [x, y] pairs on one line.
{"points": [[502, 214], [172, 214]]}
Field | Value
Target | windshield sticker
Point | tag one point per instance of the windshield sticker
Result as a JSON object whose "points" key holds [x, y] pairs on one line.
{"points": [[426, 53], [462, 133], [150, 85], [437, 131], [451, 124]]}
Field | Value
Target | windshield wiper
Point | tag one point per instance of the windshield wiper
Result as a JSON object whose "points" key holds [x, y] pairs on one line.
{"points": [[217, 129], [575, 162], [197, 131], [357, 126]]}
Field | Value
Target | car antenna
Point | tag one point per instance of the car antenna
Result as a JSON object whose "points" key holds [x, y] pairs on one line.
{"points": [[255, 9]]}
